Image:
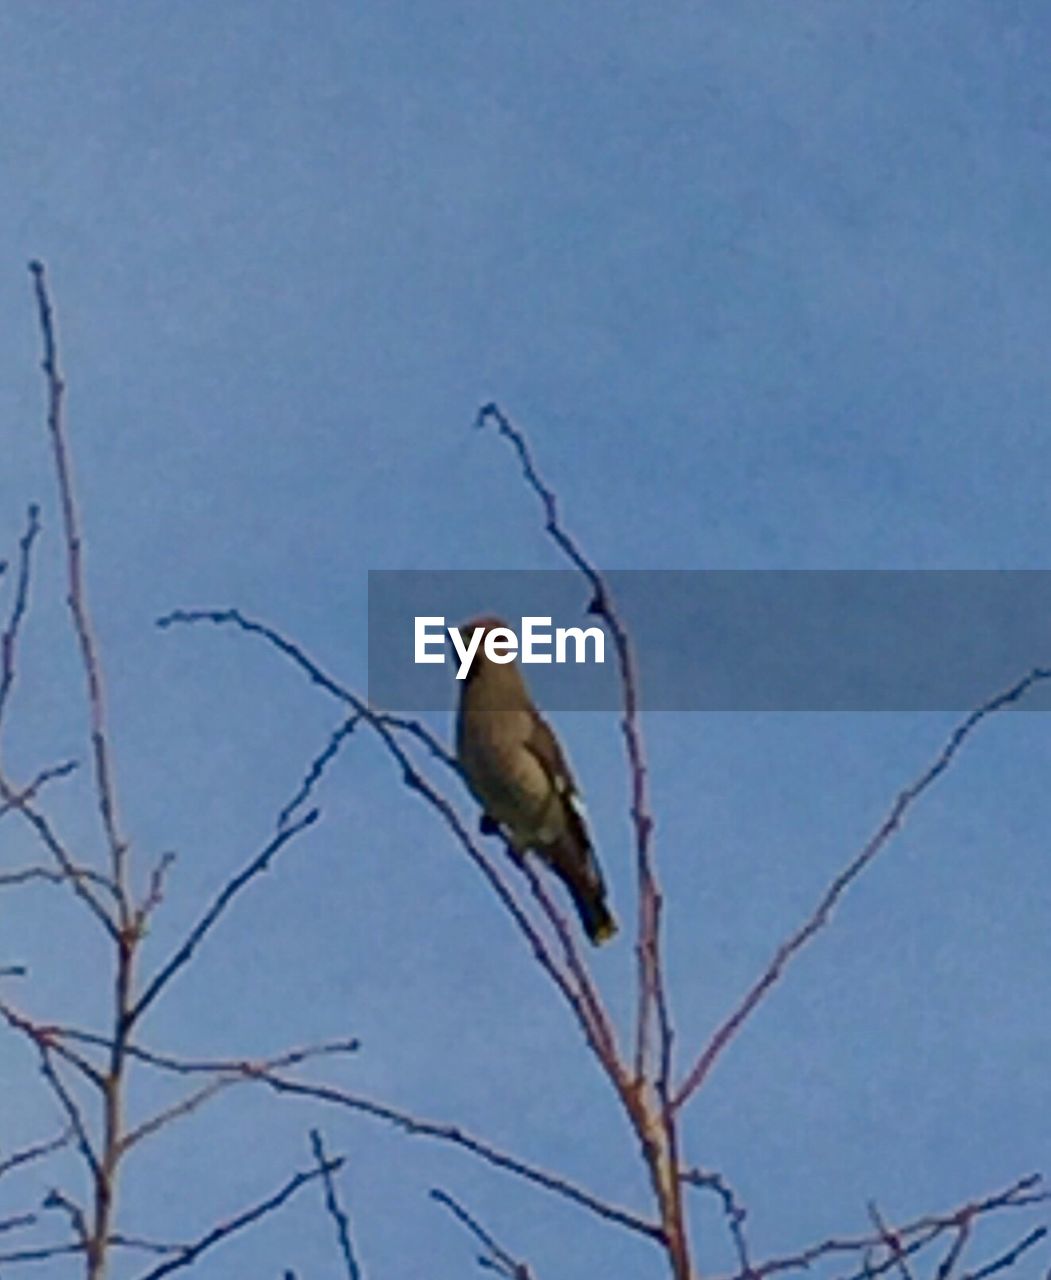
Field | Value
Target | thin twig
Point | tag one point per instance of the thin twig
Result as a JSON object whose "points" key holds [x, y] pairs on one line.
{"points": [[822, 913], [26, 875], [154, 890], [188, 1254], [601, 1027], [499, 1259], [37, 1152], [77, 598], [57, 1034], [56, 1199], [335, 1210], [78, 877], [1009, 1258], [317, 768], [38, 783], [245, 1066], [225, 1074], [18, 1222], [9, 636], [177, 1110], [419, 731], [41, 1254], [43, 1036], [654, 1125], [955, 1253], [74, 1114], [892, 1240], [733, 1211], [1022, 1193], [230, 890], [458, 1137], [602, 606]]}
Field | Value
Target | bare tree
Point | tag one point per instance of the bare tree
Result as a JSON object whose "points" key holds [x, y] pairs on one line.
{"points": [[637, 1061], [87, 1070]]}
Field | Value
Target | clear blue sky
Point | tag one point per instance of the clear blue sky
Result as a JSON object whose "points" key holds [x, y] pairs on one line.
{"points": [[769, 286]]}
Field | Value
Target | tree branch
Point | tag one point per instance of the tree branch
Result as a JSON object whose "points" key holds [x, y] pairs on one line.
{"points": [[28, 1155], [498, 1258], [823, 911], [188, 1254], [458, 1137], [230, 890], [9, 636], [77, 599], [335, 1210]]}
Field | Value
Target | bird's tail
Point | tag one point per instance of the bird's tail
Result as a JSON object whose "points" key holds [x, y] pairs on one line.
{"points": [[574, 860], [595, 915]]}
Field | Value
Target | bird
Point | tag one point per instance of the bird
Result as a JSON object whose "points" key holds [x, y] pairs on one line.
{"points": [[516, 770]]}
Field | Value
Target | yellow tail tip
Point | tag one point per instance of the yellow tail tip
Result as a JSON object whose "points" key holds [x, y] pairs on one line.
{"points": [[604, 932]]}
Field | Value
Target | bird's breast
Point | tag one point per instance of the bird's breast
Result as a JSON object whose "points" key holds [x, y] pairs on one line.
{"points": [[509, 781]]}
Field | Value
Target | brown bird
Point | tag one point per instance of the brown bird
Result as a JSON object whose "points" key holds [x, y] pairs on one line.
{"points": [[517, 772]]}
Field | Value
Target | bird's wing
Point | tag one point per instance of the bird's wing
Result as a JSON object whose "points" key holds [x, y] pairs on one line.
{"points": [[544, 746]]}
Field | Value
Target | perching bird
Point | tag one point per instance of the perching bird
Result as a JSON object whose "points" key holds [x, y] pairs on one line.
{"points": [[516, 771]]}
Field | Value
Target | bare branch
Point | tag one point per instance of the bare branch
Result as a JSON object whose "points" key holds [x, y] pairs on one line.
{"points": [[920, 1232], [317, 768], [892, 1240], [259, 864], [45, 1252], [336, 1212], [650, 985], [184, 1107], [37, 1152], [73, 1111], [822, 913], [16, 1223], [56, 1199], [25, 875], [41, 1254], [78, 877], [43, 1036], [9, 636], [1009, 1258], [458, 1137], [188, 1254], [245, 1066], [415, 729], [45, 776], [77, 599], [955, 1253], [57, 1034], [155, 890], [144, 1246], [655, 1126], [225, 1074], [499, 1259], [600, 1028], [733, 1211]]}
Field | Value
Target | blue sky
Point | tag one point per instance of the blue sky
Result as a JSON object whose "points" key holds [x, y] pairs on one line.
{"points": [[768, 286]]}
